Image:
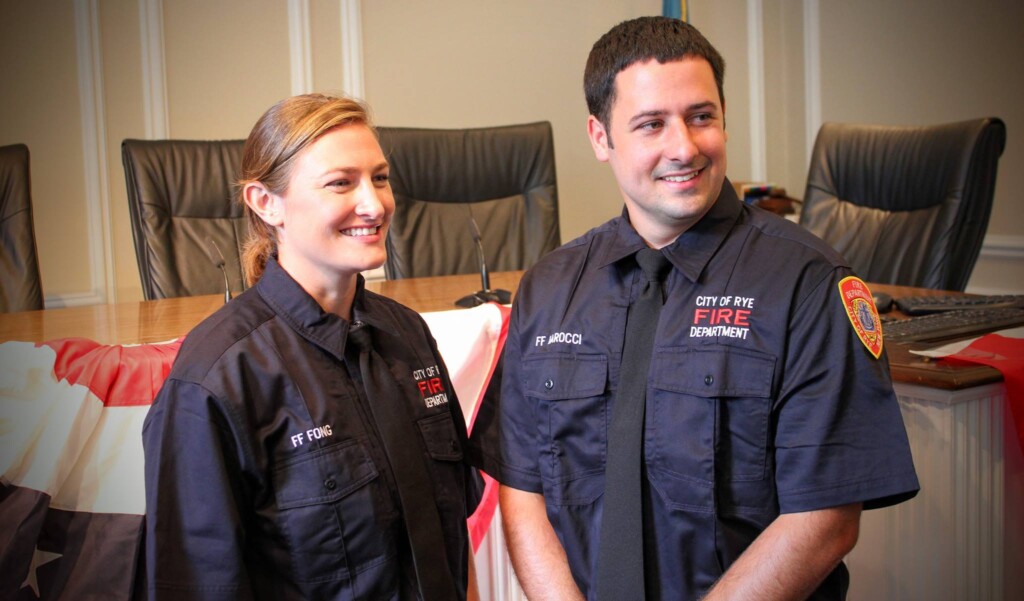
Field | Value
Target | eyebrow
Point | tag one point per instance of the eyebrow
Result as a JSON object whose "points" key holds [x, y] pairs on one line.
{"points": [[347, 170], [645, 115], [661, 113]]}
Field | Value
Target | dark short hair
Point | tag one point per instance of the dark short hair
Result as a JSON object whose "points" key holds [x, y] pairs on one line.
{"points": [[640, 40]]}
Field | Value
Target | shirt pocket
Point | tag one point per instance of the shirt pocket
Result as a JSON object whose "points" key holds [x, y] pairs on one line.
{"points": [[711, 413], [446, 466], [571, 392], [327, 512]]}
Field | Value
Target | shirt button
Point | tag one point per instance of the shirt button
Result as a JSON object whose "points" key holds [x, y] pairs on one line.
{"points": [[709, 379], [330, 484], [549, 384], [455, 445]]}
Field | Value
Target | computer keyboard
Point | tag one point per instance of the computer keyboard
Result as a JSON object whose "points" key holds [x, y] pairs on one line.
{"points": [[922, 305], [959, 323]]}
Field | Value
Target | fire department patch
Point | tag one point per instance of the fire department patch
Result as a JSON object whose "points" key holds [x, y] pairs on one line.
{"points": [[860, 308]]}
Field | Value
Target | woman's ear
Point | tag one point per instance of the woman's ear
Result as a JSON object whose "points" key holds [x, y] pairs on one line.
{"points": [[264, 203]]}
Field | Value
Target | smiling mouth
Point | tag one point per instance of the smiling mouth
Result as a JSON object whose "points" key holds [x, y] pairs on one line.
{"points": [[678, 179], [360, 231]]}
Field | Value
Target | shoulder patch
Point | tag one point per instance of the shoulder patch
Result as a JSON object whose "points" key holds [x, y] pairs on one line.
{"points": [[860, 308]]}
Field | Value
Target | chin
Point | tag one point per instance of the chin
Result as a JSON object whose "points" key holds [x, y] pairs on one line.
{"points": [[373, 262]]}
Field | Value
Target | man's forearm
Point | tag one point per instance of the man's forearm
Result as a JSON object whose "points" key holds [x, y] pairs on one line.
{"points": [[537, 555], [792, 556]]}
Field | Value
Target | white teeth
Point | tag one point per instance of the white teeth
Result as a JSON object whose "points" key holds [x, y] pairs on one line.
{"points": [[680, 178], [359, 231]]}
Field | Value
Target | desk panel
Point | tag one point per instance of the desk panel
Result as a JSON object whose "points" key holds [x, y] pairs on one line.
{"points": [[961, 536]]}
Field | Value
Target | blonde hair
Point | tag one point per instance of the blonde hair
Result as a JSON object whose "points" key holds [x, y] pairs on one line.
{"points": [[278, 137]]}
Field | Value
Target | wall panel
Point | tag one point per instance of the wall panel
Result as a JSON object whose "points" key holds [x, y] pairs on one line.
{"points": [[41, 107], [227, 62]]}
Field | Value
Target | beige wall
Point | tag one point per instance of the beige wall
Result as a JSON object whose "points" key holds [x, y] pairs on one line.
{"points": [[473, 64], [39, 106], [86, 78]]}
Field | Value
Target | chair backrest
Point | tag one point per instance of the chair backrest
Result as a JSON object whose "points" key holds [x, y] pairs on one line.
{"points": [[905, 205], [503, 176], [180, 194], [22, 288]]}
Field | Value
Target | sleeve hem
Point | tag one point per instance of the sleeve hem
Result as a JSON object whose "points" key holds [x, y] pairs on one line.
{"points": [[874, 494]]}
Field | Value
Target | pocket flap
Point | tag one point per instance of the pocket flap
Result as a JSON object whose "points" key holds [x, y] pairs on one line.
{"points": [[715, 372], [565, 376], [323, 476], [439, 435]]}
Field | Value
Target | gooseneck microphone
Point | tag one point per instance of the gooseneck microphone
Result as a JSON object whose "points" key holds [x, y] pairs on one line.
{"points": [[485, 295], [217, 258]]}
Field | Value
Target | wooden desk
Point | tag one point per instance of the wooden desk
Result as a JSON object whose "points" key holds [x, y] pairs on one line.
{"points": [[121, 323], [161, 320], [158, 321], [781, 205], [440, 293], [908, 368]]}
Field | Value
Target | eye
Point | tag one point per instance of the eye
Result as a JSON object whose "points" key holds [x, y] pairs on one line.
{"points": [[702, 118], [651, 125], [339, 183], [382, 177]]}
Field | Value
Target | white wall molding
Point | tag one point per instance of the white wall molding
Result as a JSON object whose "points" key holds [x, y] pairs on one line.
{"points": [[998, 246], [352, 48], [755, 61], [94, 155], [154, 70], [352, 72], [300, 46], [812, 73]]}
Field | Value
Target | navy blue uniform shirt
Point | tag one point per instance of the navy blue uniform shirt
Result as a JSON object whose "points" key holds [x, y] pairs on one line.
{"points": [[265, 476], [761, 398]]}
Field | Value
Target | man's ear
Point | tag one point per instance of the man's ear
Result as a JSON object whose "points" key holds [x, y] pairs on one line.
{"points": [[724, 131], [599, 138], [264, 203]]}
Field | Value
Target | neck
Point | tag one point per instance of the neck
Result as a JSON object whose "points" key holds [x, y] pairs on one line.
{"points": [[336, 300]]}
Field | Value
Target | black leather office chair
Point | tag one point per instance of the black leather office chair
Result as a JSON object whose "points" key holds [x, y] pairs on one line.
{"points": [[905, 205], [503, 176], [180, 194], [22, 288]]}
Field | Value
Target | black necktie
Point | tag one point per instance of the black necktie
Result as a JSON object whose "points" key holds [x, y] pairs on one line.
{"points": [[415, 489], [620, 560]]}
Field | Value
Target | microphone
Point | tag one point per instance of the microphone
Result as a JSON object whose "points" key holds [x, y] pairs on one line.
{"points": [[217, 258], [485, 295]]}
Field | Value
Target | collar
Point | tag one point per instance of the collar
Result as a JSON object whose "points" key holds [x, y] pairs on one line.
{"points": [[372, 309], [299, 310], [693, 249]]}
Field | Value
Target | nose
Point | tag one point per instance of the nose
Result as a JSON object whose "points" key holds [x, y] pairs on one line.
{"points": [[680, 145], [370, 204]]}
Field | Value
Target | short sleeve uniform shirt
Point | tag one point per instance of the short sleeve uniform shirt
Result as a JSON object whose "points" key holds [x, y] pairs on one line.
{"points": [[265, 474], [762, 399]]}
